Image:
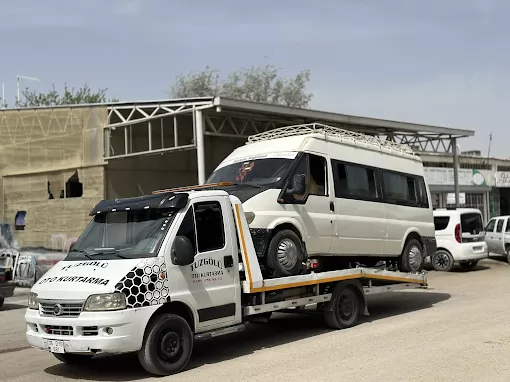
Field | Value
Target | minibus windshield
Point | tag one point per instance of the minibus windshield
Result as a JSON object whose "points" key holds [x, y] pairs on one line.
{"points": [[258, 172], [123, 235]]}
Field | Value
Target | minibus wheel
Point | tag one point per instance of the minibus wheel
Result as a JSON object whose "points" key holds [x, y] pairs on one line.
{"points": [[285, 254], [167, 345], [412, 259]]}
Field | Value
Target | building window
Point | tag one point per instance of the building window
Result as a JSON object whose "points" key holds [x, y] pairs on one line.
{"points": [[19, 220]]}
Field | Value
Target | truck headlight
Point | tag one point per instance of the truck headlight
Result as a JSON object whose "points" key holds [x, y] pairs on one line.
{"points": [[250, 216], [33, 301], [104, 302]]}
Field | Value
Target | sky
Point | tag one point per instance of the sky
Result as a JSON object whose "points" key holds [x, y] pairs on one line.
{"points": [[439, 62]]}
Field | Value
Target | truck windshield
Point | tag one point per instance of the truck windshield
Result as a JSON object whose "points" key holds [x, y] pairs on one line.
{"points": [[123, 234], [258, 172]]}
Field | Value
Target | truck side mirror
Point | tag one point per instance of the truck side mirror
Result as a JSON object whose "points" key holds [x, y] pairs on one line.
{"points": [[182, 251], [298, 186]]}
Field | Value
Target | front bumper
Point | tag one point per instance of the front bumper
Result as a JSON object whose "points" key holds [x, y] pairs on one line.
{"points": [[88, 333], [7, 290]]}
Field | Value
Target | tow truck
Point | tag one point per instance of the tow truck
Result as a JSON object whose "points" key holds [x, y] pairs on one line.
{"points": [[153, 274]]}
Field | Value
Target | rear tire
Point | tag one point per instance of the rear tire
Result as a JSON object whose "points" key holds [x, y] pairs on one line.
{"points": [[167, 345], [469, 265], [2, 300], [73, 359], [342, 311], [412, 259], [285, 255], [443, 261]]}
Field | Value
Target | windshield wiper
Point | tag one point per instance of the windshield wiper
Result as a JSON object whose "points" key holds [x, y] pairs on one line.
{"points": [[246, 185], [107, 251], [99, 251]]}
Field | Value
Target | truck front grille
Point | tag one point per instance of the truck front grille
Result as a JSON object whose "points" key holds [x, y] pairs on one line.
{"points": [[60, 308], [58, 330]]}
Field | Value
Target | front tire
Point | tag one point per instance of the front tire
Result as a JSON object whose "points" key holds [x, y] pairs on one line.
{"points": [[411, 259], [2, 300], [443, 261], [342, 311], [167, 345], [508, 254], [285, 254]]}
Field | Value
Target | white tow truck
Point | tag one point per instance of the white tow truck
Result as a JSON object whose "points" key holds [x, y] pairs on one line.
{"points": [[152, 274]]}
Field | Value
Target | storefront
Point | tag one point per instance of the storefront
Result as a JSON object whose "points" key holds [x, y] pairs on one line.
{"points": [[474, 187], [503, 192]]}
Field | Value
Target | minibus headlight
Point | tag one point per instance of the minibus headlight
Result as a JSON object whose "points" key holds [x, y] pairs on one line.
{"points": [[33, 301], [105, 302], [250, 216]]}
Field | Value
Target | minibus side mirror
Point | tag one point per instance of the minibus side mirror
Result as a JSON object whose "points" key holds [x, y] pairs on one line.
{"points": [[299, 185], [182, 251]]}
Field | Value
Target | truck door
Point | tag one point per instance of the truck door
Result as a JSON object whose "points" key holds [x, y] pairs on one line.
{"points": [[209, 284], [489, 235], [497, 237]]}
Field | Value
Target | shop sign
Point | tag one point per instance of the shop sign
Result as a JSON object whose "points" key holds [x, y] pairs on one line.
{"points": [[440, 176], [503, 179]]}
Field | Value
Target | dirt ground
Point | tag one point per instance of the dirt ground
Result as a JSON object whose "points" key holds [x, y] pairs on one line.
{"points": [[457, 330]]}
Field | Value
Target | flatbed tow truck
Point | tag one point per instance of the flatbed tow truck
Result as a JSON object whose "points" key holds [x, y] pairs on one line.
{"points": [[193, 274]]}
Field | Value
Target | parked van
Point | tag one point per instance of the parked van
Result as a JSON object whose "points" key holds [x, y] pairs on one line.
{"points": [[460, 238], [319, 192]]}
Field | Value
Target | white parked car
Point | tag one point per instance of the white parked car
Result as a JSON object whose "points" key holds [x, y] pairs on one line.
{"points": [[460, 238], [320, 192], [497, 236]]}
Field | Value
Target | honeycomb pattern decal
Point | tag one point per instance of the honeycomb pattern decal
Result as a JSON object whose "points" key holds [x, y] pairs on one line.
{"points": [[146, 284]]}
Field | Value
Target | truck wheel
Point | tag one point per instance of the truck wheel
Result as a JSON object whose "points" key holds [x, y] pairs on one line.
{"points": [[469, 265], [342, 311], [1, 301], [167, 345], [285, 254], [411, 259], [73, 359], [508, 254], [443, 261]]}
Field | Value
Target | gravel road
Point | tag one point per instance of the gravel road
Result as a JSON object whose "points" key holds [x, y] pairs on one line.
{"points": [[457, 330]]}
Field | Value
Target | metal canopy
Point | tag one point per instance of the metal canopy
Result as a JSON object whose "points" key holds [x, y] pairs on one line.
{"points": [[223, 117]]}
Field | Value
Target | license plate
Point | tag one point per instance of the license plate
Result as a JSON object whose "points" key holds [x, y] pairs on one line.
{"points": [[54, 346], [478, 248]]}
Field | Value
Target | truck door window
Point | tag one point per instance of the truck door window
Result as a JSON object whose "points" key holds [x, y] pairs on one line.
{"points": [[507, 229], [499, 228], [209, 226], [490, 226]]}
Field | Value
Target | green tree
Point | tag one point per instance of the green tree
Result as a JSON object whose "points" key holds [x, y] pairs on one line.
{"points": [[83, 95], [258, 84]]}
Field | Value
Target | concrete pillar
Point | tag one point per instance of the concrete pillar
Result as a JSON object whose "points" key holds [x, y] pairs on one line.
{"points": [[456, 171], [199, 129]]}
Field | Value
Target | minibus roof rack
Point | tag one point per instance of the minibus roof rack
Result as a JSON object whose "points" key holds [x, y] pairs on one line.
{"points": [[345, 136]]}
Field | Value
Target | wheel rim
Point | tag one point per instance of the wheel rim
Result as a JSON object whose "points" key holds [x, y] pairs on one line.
{"points": [[415, 258], [287, 254], [346, 307], [441, 261], [170, 346]]}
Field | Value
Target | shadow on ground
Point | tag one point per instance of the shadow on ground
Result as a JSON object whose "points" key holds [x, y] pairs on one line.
{"points": [[7, 306], [281, 329]]}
